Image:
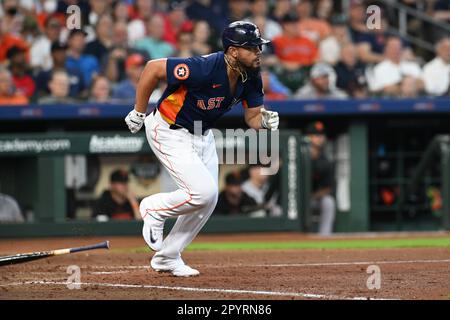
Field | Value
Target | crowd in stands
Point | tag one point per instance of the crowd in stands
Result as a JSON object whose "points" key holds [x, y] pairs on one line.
{"points": [[319, 49]]}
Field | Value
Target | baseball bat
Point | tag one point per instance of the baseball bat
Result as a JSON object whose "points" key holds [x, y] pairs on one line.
{"points": [[25, 257]]}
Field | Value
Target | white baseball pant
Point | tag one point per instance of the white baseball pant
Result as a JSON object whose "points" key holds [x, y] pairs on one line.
{"points": [[193, 164]]}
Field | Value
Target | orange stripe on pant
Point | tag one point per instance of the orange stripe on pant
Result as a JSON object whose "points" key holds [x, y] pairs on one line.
{"points": [[147, 210], [171, 106]]}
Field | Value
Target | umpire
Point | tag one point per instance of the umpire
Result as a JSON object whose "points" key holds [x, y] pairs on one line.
{"points": [[322, 199]]}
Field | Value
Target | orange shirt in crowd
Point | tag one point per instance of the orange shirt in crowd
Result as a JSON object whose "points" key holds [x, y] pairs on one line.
{"points": [[7, 41], [314, 29], [15, 99], [298, 50]]}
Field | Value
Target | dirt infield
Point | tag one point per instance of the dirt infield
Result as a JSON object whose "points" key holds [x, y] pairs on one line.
{"points": [[406, 273]]}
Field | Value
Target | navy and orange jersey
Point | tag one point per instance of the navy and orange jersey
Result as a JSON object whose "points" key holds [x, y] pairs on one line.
{"points": [[198, 90]]}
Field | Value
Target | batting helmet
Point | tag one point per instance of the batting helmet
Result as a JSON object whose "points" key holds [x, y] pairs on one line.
{"points": [[242, 34]]}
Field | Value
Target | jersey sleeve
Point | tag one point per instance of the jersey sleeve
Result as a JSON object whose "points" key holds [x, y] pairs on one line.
{"points": [[254, 93], [187, 71]]}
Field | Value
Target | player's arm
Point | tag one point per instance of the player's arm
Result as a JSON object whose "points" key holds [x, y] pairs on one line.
{"points": [[154, 71], [260, 118], [253, 117]]}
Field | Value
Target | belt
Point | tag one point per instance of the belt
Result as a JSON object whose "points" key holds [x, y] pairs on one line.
{"points": [[175, 126]]}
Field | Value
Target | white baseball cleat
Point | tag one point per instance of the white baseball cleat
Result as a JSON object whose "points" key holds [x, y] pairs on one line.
{"points": [[184, 270], [178, 269], [152, 231]]}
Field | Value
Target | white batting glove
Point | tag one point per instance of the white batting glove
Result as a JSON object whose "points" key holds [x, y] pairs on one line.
{"points": [[135, 120], [269, 119]]}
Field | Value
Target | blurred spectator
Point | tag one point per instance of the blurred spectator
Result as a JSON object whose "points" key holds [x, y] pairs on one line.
{"points": [[97, 9], [370, 43], [115, 62], [8, 93], [215, 12], [100, 47], [257, 186], [294, 52], [30, 29], [291, 48], [119, 202], [59, 58], [388, 75], [59, 89], [41, 48], [322, 199], [281, 8], [321, 84], [9, 210], [201, 33], [184, 45], [126, 89], [357, 18], [442, 11], [232, 200], [7, 41], [273, 88], [436, 73], [120, 11], [313, 28], [260, 9], [87, 64], [350, 73], [439, 11], [20, 72], [330, 47], [114, 65], [13, 16], [100, 90], [237, 9], [141, 11], [153, 43], [324, 10], [176, 21]]}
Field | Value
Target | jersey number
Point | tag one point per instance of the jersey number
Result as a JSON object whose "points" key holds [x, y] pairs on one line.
{"points": [[213, 103]]}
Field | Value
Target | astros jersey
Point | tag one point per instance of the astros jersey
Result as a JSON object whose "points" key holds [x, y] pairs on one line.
{"points": [[198, 90]]}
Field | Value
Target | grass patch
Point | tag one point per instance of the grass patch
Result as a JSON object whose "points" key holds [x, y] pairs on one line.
{"points": [[311, 244]]}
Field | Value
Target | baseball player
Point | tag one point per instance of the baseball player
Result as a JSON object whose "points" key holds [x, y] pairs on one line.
{"points": [[199, 90]]}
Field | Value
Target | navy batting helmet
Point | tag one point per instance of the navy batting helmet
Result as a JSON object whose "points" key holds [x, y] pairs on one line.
{"points": [[242, 34]]}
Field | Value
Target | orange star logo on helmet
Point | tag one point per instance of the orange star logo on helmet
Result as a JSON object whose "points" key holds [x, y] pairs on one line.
{"points": [[181, 71]]}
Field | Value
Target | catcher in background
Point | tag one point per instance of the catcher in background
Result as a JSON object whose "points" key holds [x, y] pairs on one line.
{"points": [[200, 90]]}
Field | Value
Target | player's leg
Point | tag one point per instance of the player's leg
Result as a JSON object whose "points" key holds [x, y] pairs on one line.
{"points": [[327, 215], [175, 150], [188, 226]]}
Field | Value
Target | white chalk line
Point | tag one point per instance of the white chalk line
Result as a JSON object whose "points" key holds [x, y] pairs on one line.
{"points": [[326, 264], [320, 264], [193, 289]]}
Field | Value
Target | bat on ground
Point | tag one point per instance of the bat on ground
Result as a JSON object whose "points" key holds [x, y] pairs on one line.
{"points": [[25, 257]]}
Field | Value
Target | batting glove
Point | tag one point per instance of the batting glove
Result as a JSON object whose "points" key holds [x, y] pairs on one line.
{"points": [[269, 119], [135, 120]]}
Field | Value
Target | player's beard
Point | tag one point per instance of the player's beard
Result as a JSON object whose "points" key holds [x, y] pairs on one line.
{"points": [[251, 70]]}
